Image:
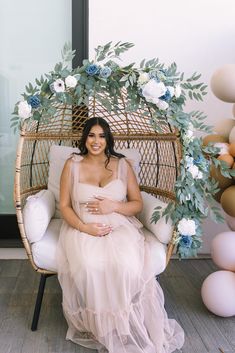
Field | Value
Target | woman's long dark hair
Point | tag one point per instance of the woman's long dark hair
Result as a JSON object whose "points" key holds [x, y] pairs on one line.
{"points": [[109, 150]]}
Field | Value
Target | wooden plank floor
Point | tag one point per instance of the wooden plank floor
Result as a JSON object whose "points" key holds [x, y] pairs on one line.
{"points": [[181, 283]]}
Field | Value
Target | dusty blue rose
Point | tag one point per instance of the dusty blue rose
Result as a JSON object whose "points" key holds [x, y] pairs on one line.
{"points": [[167, 96], [186, 241], [105, 72], [92, 70], [34, 101]]}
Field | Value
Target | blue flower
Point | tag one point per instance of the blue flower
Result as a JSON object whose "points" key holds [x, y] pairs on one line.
{"points": [[34, 101], [105, 72], [92, 70], [167, 96], [199, 160], [185, 241]]}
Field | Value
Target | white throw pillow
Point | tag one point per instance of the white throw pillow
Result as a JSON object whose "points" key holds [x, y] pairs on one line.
{"points": [[57, 158], [37, 213], [161, 229], [133, 157]]}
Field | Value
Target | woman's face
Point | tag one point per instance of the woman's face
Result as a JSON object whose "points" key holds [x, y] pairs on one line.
{"points": [[96, 141]]}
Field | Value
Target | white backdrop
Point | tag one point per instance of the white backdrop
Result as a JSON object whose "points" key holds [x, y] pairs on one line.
{"points": [[197, 35]]}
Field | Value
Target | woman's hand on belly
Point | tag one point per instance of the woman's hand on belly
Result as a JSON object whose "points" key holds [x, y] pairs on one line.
{"points": [[96, 229], [101, 205]]}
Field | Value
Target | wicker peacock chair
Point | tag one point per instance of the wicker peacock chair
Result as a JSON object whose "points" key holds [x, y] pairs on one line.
{"points": [[160, 157]]}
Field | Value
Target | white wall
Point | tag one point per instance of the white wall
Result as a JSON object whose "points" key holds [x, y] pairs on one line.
{"points": [[197, 35]]}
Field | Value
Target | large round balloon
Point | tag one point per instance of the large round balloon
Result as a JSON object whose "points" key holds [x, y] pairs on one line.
{"points": [[223, 250], [223, 83], [232, 135], [213, 138], [223, 181], [228, 200], [218, 293], [224, 126], [233, 110]]}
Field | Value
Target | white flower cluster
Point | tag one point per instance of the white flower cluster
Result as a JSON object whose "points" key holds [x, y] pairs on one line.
{"points": [[187, 227], [154, 91], [192, 168]]}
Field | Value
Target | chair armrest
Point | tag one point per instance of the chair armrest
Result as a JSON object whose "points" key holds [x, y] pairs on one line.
{"points": [[37, 213]]}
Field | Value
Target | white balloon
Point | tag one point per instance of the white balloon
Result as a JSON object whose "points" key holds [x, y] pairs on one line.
{"points": [[223, 250], [223, 83], [218, 293]]}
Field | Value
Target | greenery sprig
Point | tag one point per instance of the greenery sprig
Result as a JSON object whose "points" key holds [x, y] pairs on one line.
{"points": [[165, 91]]}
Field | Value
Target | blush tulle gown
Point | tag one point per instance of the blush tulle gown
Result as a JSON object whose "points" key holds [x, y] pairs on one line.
{"points": [[111, 299]]}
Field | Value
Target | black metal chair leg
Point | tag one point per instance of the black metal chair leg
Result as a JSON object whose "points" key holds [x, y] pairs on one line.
{"points": [[39, 302]]}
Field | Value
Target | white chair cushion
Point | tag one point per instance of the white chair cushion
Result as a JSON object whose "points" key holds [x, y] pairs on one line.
{"points": [[44, 250], [37, 213], [161, 229], [57, 158]]}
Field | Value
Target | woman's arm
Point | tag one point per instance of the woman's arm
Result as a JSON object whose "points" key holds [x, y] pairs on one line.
{"points": [[133, 205], [95, 229]]}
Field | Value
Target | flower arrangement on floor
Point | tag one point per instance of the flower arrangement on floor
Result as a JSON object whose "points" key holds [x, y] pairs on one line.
{"points": [[165, 91]]}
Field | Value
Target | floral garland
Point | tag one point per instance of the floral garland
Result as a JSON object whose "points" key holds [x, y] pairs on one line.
{"points": [[165, 91]]}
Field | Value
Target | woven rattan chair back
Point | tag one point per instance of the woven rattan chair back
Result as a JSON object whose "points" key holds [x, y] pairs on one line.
{"points": [[160, 152]]}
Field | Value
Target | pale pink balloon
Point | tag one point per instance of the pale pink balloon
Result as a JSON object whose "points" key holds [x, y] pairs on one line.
{"points": [[218, 293], [223, 250], [223, 83], [230, 221], [233, 110]]}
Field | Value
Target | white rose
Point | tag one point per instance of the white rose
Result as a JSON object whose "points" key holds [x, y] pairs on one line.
{"points": [[189, 134], [224, 147], [177, 91], [58, 86], [143, 78], [153, 90], [187, 227], [193, 169], [189, 161], [24, 110], [71, 81], [171, 90], [162, 105], [199, 175]]}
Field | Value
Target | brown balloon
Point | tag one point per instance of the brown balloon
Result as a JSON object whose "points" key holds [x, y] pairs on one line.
{"points": [[213, 138], [223, 181], [231, 149], [228, 200]]}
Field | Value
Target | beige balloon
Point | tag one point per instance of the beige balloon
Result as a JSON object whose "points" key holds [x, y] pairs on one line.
{"points": [[222, 250], [223, 83], [218, 293], [227, 200], [232, 135], [224, 126]]}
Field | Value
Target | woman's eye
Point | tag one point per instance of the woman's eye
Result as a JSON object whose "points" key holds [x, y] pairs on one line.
{"points": [[102, 136]]}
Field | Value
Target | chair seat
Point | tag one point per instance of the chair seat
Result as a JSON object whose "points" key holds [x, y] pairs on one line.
{"points": [[44, 250]]}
